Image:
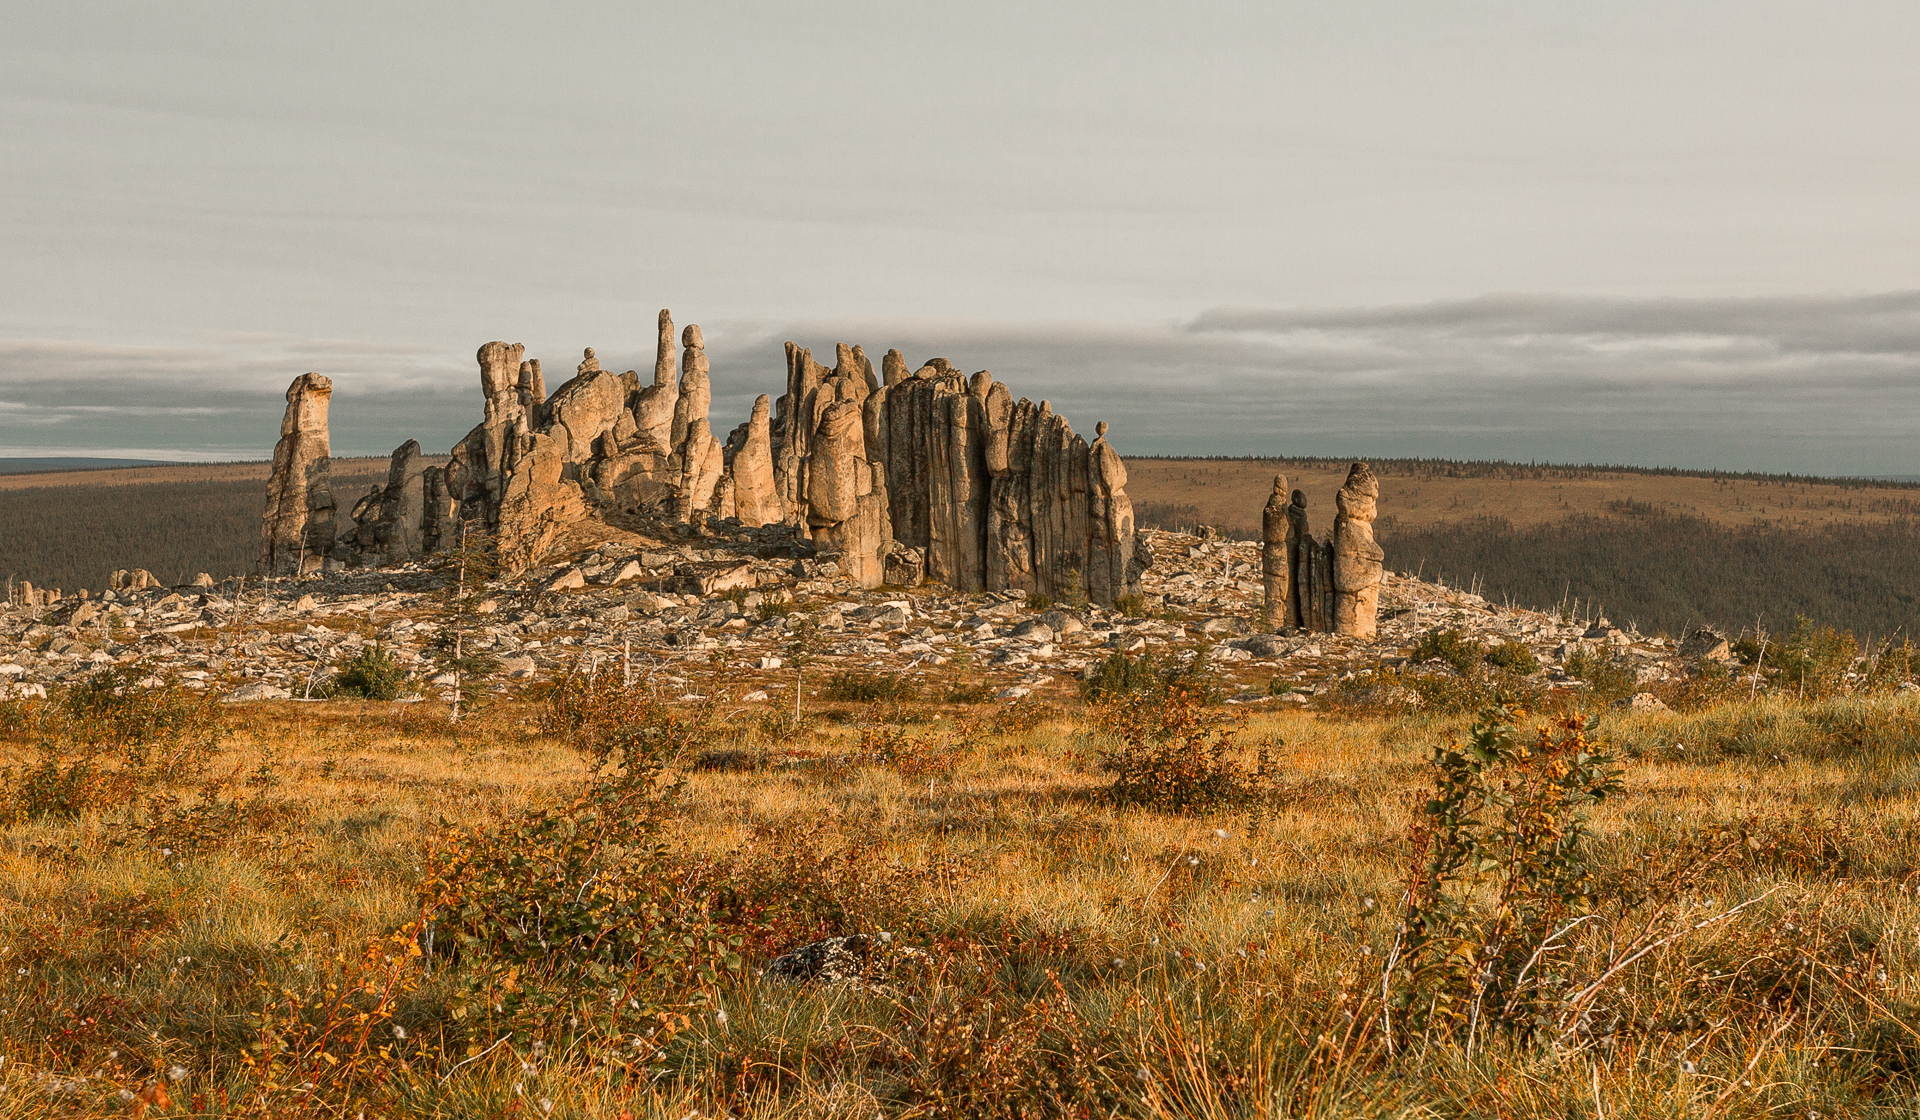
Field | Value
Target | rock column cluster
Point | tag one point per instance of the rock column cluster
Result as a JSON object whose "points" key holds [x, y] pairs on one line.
{"points": [[979, 492], [923, 474], [1331, 584]]}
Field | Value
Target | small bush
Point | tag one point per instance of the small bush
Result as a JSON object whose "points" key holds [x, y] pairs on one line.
{"points": [[1039, 602], [1131, 606], [1124, 674], [1608, 679], [853, 687], [967, 692], [371, 675], [1175, 754], [1501, 864], [1450, 646], [112, 708], [1513, 657]]}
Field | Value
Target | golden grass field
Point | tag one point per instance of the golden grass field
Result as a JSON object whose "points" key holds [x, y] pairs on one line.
{"points": [[241, 937]]}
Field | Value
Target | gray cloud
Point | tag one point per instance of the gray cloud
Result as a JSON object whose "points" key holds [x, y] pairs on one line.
{"points": [[1813, 383]]}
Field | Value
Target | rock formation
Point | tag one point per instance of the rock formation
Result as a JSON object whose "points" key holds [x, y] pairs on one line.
{"points": [[1357, 559], [1331, 584], [296, 531], [750, 470], [930, 474], [1276, 567]]}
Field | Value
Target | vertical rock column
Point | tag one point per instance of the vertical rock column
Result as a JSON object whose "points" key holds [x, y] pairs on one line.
{"points": [[697, 455], [1357, 559], [296, 529], [1276, 548], [755, 501], [1300, 547]]}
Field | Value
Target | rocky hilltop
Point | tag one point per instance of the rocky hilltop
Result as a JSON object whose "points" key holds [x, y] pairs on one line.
{"points": [[661, 607]]}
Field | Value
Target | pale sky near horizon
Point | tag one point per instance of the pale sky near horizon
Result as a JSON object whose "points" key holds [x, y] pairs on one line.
{"points": [[1668, 234]]}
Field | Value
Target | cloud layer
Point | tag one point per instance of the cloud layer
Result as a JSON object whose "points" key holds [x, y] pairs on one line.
{"points": [[1820, 384]]}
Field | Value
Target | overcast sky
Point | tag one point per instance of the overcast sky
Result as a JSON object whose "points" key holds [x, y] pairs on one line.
{"points": [[1673, 233]]}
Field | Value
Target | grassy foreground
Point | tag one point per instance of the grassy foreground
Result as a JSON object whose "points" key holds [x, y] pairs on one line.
{"points": [[302, 910]]}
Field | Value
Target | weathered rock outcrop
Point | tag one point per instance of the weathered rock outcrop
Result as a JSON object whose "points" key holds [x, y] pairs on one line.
{"points": [[755, 501], [930, 474], [296, 531], [1276, 567], [1331, 584], [825, 475], [1357, 558]]}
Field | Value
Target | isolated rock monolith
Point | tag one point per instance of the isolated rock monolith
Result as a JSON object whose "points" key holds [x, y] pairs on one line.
{"points": [[1358, 560], [1276, 549], [297, 527]]}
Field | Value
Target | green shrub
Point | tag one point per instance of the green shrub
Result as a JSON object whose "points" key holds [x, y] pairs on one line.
{"points": [[854, 687], [967, 692], [557, 906], [1131, 606], [113, 709], [1039, 602], [371, 675], [1450, 646], [1608, 679], [1124, 674], [1513, 657]]}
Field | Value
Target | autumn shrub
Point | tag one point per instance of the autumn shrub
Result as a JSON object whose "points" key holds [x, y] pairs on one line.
{"points": [[1608, 679], [570, 917], [1513, 657], [1126, 674], [1170, 751], [1501, 863], [1450, 646]]}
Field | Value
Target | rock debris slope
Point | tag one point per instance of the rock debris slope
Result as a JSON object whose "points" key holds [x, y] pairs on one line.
{"points": [[661, 606]]}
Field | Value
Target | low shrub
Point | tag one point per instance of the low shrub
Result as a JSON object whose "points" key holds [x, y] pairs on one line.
{"points": [[1171, 752], [371, 675], [1608, 679], [1131, 606], [1125, 674], [1513, 657], [1501, 858], [1450, 646]]}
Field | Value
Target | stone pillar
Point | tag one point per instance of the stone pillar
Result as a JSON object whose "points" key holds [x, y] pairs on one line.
{"points": [[297, 527], [1299, 549], [1357, 559], [1276, 547], [755, 501]]}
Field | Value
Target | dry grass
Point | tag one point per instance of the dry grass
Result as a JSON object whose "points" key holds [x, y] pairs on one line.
{"points": [[1082, 959]]}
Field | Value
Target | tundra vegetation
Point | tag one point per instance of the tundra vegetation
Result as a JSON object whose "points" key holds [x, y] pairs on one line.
{"points": [[1506, 900]]}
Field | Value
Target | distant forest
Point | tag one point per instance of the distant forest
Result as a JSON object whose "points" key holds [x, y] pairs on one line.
{"points": [[1664, 572], [1503, 470], [72, 537]]}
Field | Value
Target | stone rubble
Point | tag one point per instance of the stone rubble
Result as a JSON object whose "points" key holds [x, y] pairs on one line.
{"points": [[660, 606]]}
